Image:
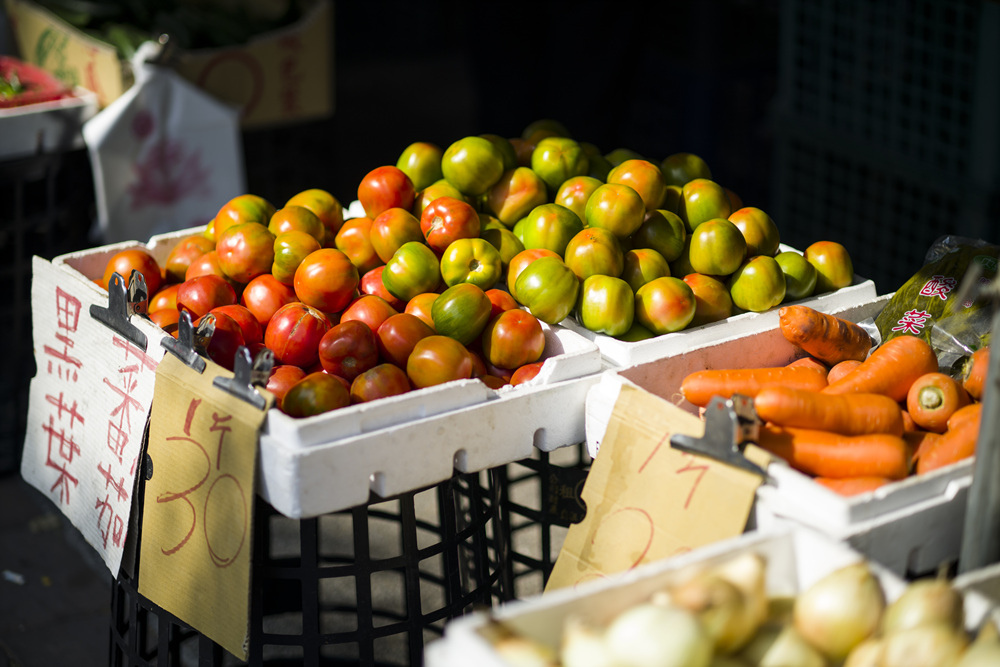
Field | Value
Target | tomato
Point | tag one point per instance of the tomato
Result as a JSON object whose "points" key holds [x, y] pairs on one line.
{"points": [[166, 319], [636, 333], [397, 336], [538, 129], [834, 268], [441, 188], [501, 301], [225, 338], [165, 297], [264, 295], [711, 299], [446, 219], [205, 265], [473, 261], [421, 161], [523, 259], [663, 231], [253, 332], [348, 349], [461, 312], [758, 229], [246, 250], [370, 309], [574, 193], [517, 192], [438, 359], [326, 207], [297, 218], [473, 165], [548, 288], [240, 209], [290, 248], [594, 251], [526, 373], [557, 159], [758, 284], [294, 332], [125, 261], [800, 275], [182, 254], [282, 377], [513, 338], [606, 305], [717, 248], [200, 295], [391, 229], [413, 269], [506, 150], [618, 155], [384, 188], [600, 166], [549, 226], [644, 177], [421, 306], [315, 394], [326, 279], [506, 243], [617, 208], [371, 283], [642, 265], [379, 382], [354, 240], [680, 168], [664, 305], [703, 199]]}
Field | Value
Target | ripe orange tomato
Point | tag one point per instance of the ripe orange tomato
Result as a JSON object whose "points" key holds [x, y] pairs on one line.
{"points": [[124, 261], [326, 279]]}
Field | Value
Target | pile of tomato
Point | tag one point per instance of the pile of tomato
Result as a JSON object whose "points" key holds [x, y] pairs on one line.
{"points": [[459, 258]]}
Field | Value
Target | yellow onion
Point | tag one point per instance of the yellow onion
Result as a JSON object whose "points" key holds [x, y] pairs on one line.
{"points": [[985, 651], [924, 602], [721, 607], [866, 654], [520, 651], [649, 635], [781, 646], [929, 645], [583, 645]]}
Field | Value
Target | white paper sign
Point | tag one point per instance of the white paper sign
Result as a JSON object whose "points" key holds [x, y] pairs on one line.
{"points": [[89, 403]]}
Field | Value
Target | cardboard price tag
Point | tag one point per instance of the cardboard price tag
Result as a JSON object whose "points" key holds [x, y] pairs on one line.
{"points": [[197, 522], [647, 501]]}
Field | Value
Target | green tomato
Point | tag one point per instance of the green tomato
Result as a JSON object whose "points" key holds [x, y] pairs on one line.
{"points": [[421, 161], [504, 241], [758, 229], [643, 265], [606, 305], [549, 226], [703, 199], [413, 269], [800, 275], [461, 312], [473, 165], [758, 284], [834, 268], [664, 305], [556, 159], [473, 261], [548, 288], [717, 248], [680, 168], [663, 231], [617, 208], [594, 251]]}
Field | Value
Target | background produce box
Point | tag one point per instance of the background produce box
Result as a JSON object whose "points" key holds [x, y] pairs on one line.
{"points": [[795, 560], [912, 525], [46, 127], [277, 77], [333, 460]]}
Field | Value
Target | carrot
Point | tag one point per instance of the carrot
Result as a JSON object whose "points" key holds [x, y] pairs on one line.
{"points": [[956, 444], [826, 454], [809, 362], [933, 398], [974, 378], [908, 423], [826, 337], [918, 442], [699, 387], [841, 369], [847, 414], [890, 369], [971, 411], [852, 486]]}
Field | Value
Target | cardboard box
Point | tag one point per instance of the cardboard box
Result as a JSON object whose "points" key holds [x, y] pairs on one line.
{"points": [[335, 460], [278, 77]]}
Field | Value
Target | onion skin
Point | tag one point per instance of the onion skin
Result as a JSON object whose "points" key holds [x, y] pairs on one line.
{"points": [[781, 646], [929, 645], [924, 602], [866, 654], [982, 653], [649, 635]]}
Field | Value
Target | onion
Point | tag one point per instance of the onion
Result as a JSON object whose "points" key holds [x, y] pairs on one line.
{"points": [[924, 602], [524, 652], [781, 646], [840, 610], [933, 645], [721, 607], [984, 652], [649, 635], [583, 645], [726, 661], [866, 654]]}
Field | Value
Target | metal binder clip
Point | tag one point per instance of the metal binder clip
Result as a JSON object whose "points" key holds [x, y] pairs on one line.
{"points": [[123, 303], [729, 423], [183, 345], [246, 375]]}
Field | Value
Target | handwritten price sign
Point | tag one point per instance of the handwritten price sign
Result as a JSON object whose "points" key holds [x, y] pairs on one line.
{"points": [[195, 553], [647, 501]]}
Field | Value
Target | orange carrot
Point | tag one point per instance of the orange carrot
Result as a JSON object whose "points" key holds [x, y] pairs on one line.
{"points": [[826, 337], [956, 444], [971, 411], [848, 414], [841, 369], [908, 423], [918, 442], [890, 369], [852, 486], [974, 379], [809, 362], [827, 454], [933, 398], [699, 387]]}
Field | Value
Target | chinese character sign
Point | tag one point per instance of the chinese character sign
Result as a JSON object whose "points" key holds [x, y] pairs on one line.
{"points": [[89, 401]]}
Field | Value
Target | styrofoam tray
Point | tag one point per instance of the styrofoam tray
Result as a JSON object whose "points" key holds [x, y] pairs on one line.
{"points": [[46, 127]]}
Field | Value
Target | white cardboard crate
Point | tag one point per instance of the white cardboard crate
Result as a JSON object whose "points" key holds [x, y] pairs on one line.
{"points": [[912, 525], [46, 127], [333, 461]]}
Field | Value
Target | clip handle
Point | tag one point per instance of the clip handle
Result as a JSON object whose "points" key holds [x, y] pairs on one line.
{"points": [[123, 302]]}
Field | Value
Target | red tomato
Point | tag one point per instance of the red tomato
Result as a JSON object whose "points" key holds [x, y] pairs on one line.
{"points": [[383, 188], [501, 301], [253, 333], [226, 338], [526, 372], [165, 297], [354, 240], [370, 309], [299, 219], [315, 394], [379, 382], [124, 261], [294, 332], [243, 208], [205, 265], [522, 260], [290, 248], [391, 229], [199, 295], [397, 336], [421, 305], [282, 377], [327, 280], [438, 359], [245, 251], [513, 338], [371, 283], [185, 252], [264, 295], [165, 318], [447, 219], [348, 349], [325, 206]]}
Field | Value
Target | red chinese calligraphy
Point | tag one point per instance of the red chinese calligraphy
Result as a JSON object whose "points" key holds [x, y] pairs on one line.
{"points": [[692, 465], [67, 319], [62, 449], [114, 526], [912, 321], [939, 286]]}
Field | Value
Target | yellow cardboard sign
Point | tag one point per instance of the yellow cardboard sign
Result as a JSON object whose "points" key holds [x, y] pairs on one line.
{"points": [[196, 539], [647, 501]]}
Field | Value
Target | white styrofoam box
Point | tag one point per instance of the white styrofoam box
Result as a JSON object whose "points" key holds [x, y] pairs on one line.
{"points": [[984, 582], [46, 127], [796, 558]]}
